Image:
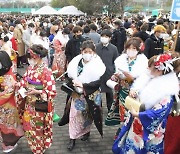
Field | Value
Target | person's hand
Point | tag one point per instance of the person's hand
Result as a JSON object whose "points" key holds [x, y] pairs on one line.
{"points": [[115, 77], [134, 112], [77, 84], [133, 93], [32, 91]]}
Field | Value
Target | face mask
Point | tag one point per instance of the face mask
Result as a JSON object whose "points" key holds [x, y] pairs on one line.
{"points": [[87, 56], [132, 53], [104, 40], [45, 24], [32, 62], [78, 36], [149, 74], [161, 35], [0, 66], [20, 26]]}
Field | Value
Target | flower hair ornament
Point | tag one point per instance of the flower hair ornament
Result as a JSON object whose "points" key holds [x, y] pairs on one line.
{"points": [[164, 62]]}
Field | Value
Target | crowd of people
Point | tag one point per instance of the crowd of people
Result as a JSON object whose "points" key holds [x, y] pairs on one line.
{"points": [[121, 57]]}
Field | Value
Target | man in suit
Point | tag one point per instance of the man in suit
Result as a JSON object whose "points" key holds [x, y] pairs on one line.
{"points": [[108, 53]]}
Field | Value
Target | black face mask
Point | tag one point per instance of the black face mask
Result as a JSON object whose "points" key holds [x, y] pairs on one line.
{"points": [[56, 31], [78, 36]]}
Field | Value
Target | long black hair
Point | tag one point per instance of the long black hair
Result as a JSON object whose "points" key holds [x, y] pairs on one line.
{"points": [[6, 62]]}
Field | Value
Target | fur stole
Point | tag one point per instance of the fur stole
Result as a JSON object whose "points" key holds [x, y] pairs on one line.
{"points": [[153, 90], [92, 70], [140, 65]]}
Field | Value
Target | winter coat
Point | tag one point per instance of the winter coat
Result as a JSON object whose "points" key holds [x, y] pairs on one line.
{"points": [[153, 46]]}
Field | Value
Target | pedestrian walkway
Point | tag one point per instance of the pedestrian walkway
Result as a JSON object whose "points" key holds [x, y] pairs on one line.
{"points": [[95, 144]]}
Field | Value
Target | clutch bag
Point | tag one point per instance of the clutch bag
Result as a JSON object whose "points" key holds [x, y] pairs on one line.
{"points": [[43, 106], [131, 102]]}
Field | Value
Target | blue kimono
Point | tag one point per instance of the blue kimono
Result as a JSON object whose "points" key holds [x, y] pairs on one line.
{"points": [[145, 133]]}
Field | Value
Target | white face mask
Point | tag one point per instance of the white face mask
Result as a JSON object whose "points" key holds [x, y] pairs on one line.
{"points": [[45, 24], [20, 26], [161, 35], [104, 40], [149, 74], [0, 66], [132, 53], [32, 62], [87, 56]]}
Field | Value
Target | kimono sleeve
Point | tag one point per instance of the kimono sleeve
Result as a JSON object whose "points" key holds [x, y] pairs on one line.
{"points": [[48, 84], [152, 119], [23, 81], [91, 87]]}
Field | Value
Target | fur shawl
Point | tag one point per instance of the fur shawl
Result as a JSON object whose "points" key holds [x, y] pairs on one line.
{"points": [[92, 71], [153, 90], [140, 65]]}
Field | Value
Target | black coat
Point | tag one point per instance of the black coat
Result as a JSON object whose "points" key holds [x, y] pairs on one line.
{"points": [[108, 55], [73, 47], [142, 35], [153, 46], [177, 49], [119, 38]]}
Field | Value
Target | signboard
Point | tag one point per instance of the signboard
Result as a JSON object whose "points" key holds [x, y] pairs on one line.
{"points": [[175, 11]]}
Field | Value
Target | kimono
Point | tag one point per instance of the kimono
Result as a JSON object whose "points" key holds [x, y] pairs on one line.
{"points": [[118, 113], [10, 127], [172, 134], [145, 133], [38, 125], [84, 108], [59, 61]]}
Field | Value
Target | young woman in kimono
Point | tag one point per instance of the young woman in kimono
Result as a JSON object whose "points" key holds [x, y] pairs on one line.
{"points": [[39, 84], [10, 127], [143, 131], [172, 134], [7, 46], [84, 104], [129, 66], [59, 61]]}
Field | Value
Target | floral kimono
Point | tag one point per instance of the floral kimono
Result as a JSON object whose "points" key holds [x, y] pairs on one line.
{"points": [[38, 125], [10, 126], [59, 61], [136, 67], [85, 108], [145, 133]]}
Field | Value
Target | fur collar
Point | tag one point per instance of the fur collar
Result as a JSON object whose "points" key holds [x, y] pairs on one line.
{"points": [[92, 71], [138, 68], [153, 90]]}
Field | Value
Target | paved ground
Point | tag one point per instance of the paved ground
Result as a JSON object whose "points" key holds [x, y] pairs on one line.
{"points": [[95, 144]]}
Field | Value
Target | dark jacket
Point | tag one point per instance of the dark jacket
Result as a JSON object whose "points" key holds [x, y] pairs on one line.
{"points": [[73, 47], [177, 49], [119, 38], [153, 46], [141, 34], [108, 55]]}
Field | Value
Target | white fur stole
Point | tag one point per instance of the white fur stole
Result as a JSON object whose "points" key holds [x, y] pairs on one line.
{"points": [[92, 70], [139, 67]]}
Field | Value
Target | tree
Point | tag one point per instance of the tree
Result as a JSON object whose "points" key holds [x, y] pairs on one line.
{"points": [[92, 6]]}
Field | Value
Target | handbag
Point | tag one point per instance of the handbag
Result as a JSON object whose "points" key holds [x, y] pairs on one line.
{"points": [[131, 102], [43, 106]]}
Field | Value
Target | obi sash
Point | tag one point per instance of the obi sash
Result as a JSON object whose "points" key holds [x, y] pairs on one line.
{"points": [[37, 85]]}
